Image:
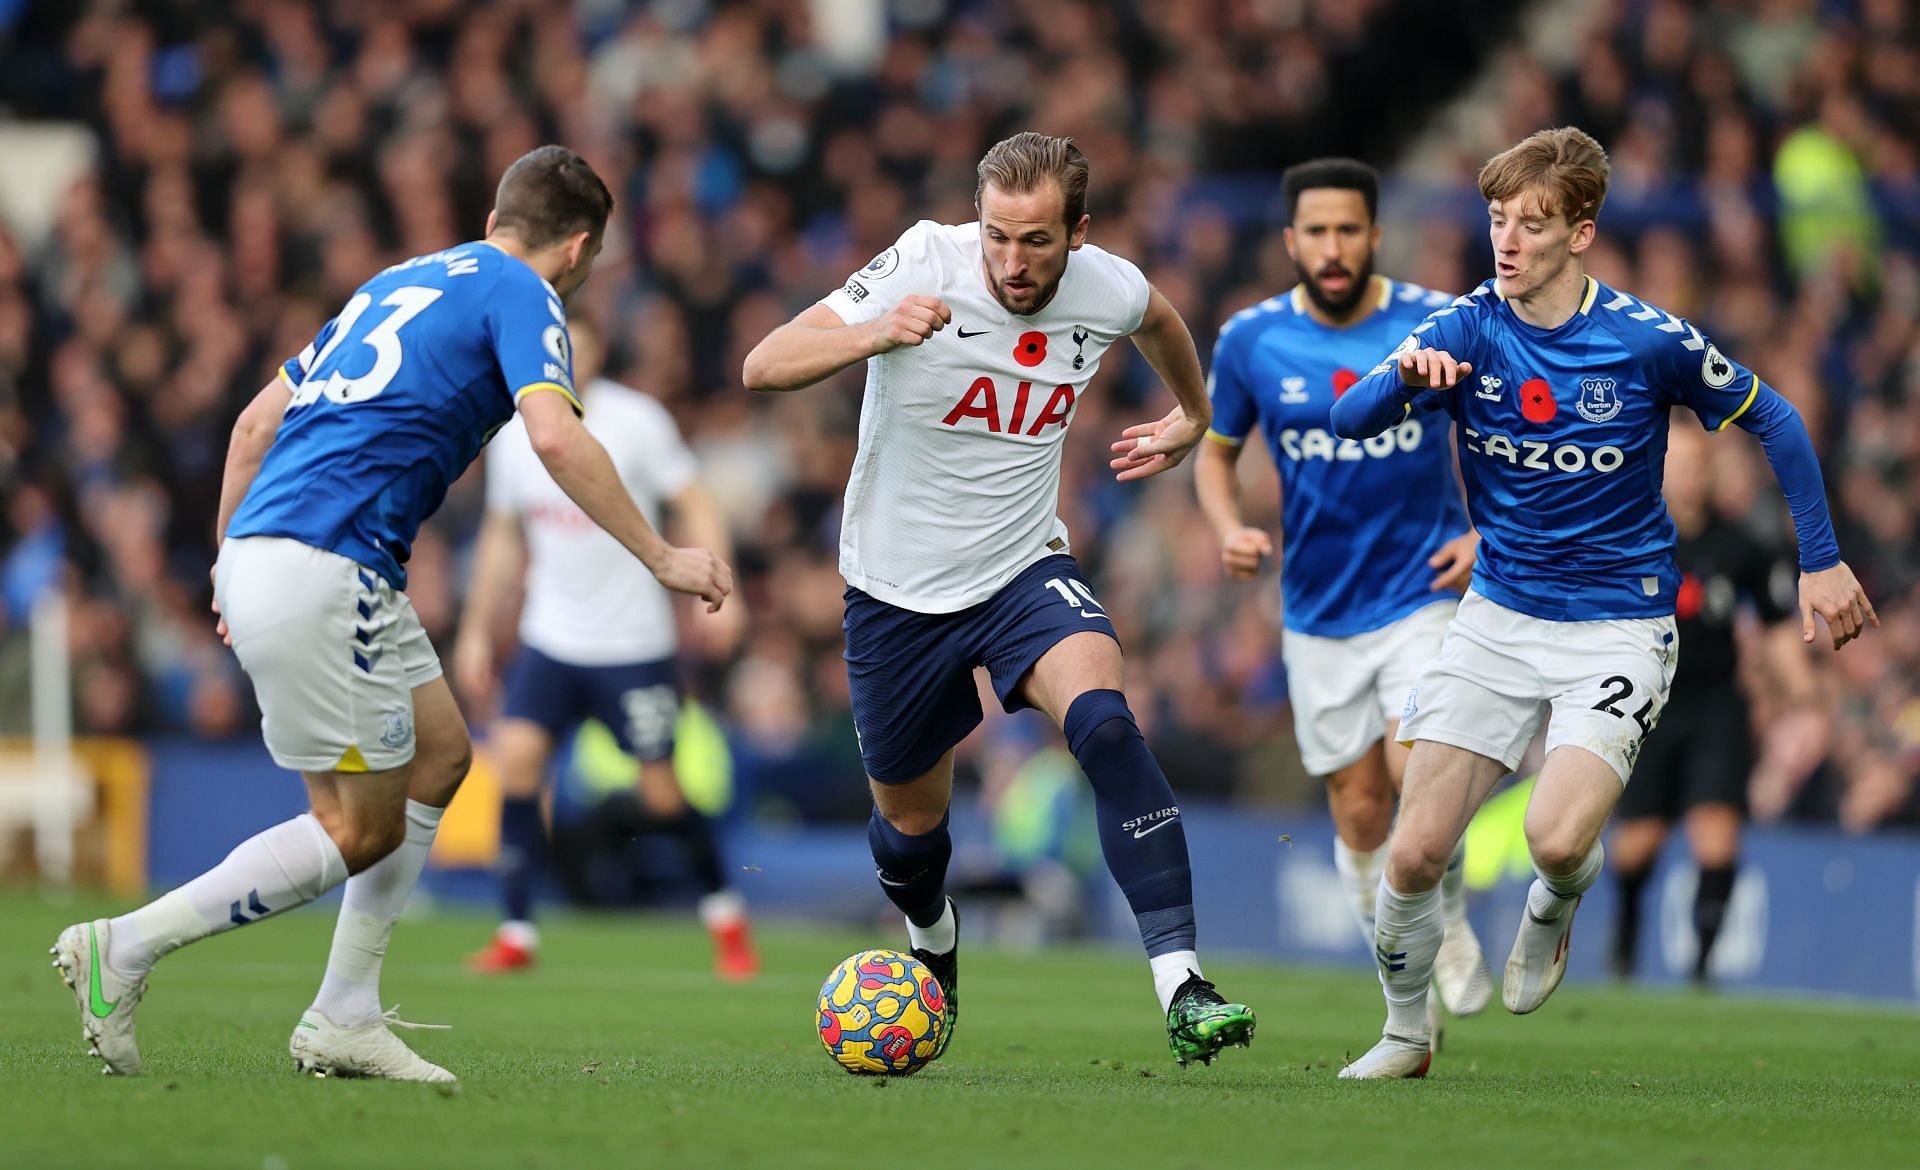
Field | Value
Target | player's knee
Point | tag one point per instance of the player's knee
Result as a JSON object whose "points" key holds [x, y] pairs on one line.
{"points": [[1559, 849], [1362, 806], [439, 768], [362, 843], [1415, 861], [916, 822]]}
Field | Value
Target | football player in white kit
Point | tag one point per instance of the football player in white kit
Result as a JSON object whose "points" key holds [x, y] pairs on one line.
{"points": [[597, 640], [979, 339]]}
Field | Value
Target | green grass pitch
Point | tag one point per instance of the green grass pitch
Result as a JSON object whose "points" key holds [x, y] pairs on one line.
{"points": [[621, 1050]]}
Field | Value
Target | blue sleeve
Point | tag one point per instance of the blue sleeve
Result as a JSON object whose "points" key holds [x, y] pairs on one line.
{"points": [[1381, 400], [1777, 425], [294, 369], [1234, 412], [527, 327], [1689, 369]]}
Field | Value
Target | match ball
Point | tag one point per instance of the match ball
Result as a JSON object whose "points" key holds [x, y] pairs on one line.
{"points": [[881, 1014]]}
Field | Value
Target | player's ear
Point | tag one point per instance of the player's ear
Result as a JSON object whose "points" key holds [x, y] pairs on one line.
{"points": [[493, 217], [1583, 233], [1373, 238], [577, 249], [1078, 235]]}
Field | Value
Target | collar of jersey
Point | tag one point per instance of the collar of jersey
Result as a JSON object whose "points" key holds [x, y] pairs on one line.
{"points": [[511, 256], [1586, 303]]}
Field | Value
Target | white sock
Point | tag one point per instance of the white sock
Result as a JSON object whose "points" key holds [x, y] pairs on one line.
{"points": [[520, 933], [1453, 884], [350, 991], [1170, 971], [1406, 940], [1360, 875], [1549, 897], [726, 907], [288, 865], [938, 938]]}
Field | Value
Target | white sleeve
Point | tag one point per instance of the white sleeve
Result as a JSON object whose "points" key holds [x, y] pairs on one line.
{"points": [[910, 266], [502, 467], [1133, 293]]}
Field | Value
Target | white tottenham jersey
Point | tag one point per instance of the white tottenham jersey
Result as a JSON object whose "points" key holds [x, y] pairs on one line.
{"points": [[589, 601], [957, 479]]}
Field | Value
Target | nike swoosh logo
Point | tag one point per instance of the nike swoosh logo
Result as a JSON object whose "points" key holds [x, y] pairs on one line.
{"points": [[96, 1002], [889, 882], [1154, 827], [976, 333]]}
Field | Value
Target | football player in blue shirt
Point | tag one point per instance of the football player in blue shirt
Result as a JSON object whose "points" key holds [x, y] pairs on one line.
{"points": [[332, 468], [1375, 545], [1560, 388]]}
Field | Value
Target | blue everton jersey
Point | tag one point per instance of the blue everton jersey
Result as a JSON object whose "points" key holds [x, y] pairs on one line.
{"points": [[1563, 440], [1359, 518], [396, 396]]}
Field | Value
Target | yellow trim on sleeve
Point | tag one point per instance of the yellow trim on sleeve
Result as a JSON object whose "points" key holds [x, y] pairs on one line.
{"points": [[1593, 290], [287, 378], [1223, 440], [351, 760], [1751, 395], [557, 388]]}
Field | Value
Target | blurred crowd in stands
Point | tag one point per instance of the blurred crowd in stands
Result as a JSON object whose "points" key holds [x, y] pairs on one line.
{"points": [[257, 160]]}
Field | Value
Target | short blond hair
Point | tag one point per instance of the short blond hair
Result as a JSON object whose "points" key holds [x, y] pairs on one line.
{"points": [[1019, 165], [1564, 168]]}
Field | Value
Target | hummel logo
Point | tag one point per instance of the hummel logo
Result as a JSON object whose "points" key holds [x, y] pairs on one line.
{"points": [[1489, 388], [962, 331]]}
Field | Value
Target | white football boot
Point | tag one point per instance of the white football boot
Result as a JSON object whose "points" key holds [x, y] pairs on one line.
{"points": [[1460, 971], [1539, 959], [1395, 1057], [106, 1000], [325, 1049]]}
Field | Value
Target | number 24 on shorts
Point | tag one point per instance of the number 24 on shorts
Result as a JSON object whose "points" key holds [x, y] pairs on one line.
{"points": [[1619, 689]]}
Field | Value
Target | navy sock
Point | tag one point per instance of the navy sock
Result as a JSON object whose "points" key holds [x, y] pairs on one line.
{"points": [[523, 851], [1140, 830], [695, 834], [912, 870]]}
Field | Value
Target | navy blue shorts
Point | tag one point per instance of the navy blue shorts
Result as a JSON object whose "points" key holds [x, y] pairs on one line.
{"points": [[639, 702], [910, 674]]}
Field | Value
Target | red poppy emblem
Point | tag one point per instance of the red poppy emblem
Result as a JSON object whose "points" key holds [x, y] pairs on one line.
{"points": [[1343, 380], [1536, 401], [1031, 348]]}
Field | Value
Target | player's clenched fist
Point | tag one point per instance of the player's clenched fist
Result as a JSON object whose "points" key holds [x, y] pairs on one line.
{"points": [[1432, 369], [695, 571], [910, 322], [1243, 550]]}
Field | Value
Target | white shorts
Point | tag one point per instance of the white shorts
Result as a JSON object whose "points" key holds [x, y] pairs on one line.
{"points": [[334, 652], [1500, 672], [1345, 691]]}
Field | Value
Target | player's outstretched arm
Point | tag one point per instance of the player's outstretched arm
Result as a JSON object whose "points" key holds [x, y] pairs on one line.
{"points": [[1216, 480], [580, 465], [1383, 398], [698, 520], [1152, 447], [498, 559], [1827, 586], [818, 344]]}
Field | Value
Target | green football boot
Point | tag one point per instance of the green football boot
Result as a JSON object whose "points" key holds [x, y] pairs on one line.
{"points": [[1200, 1023]]}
